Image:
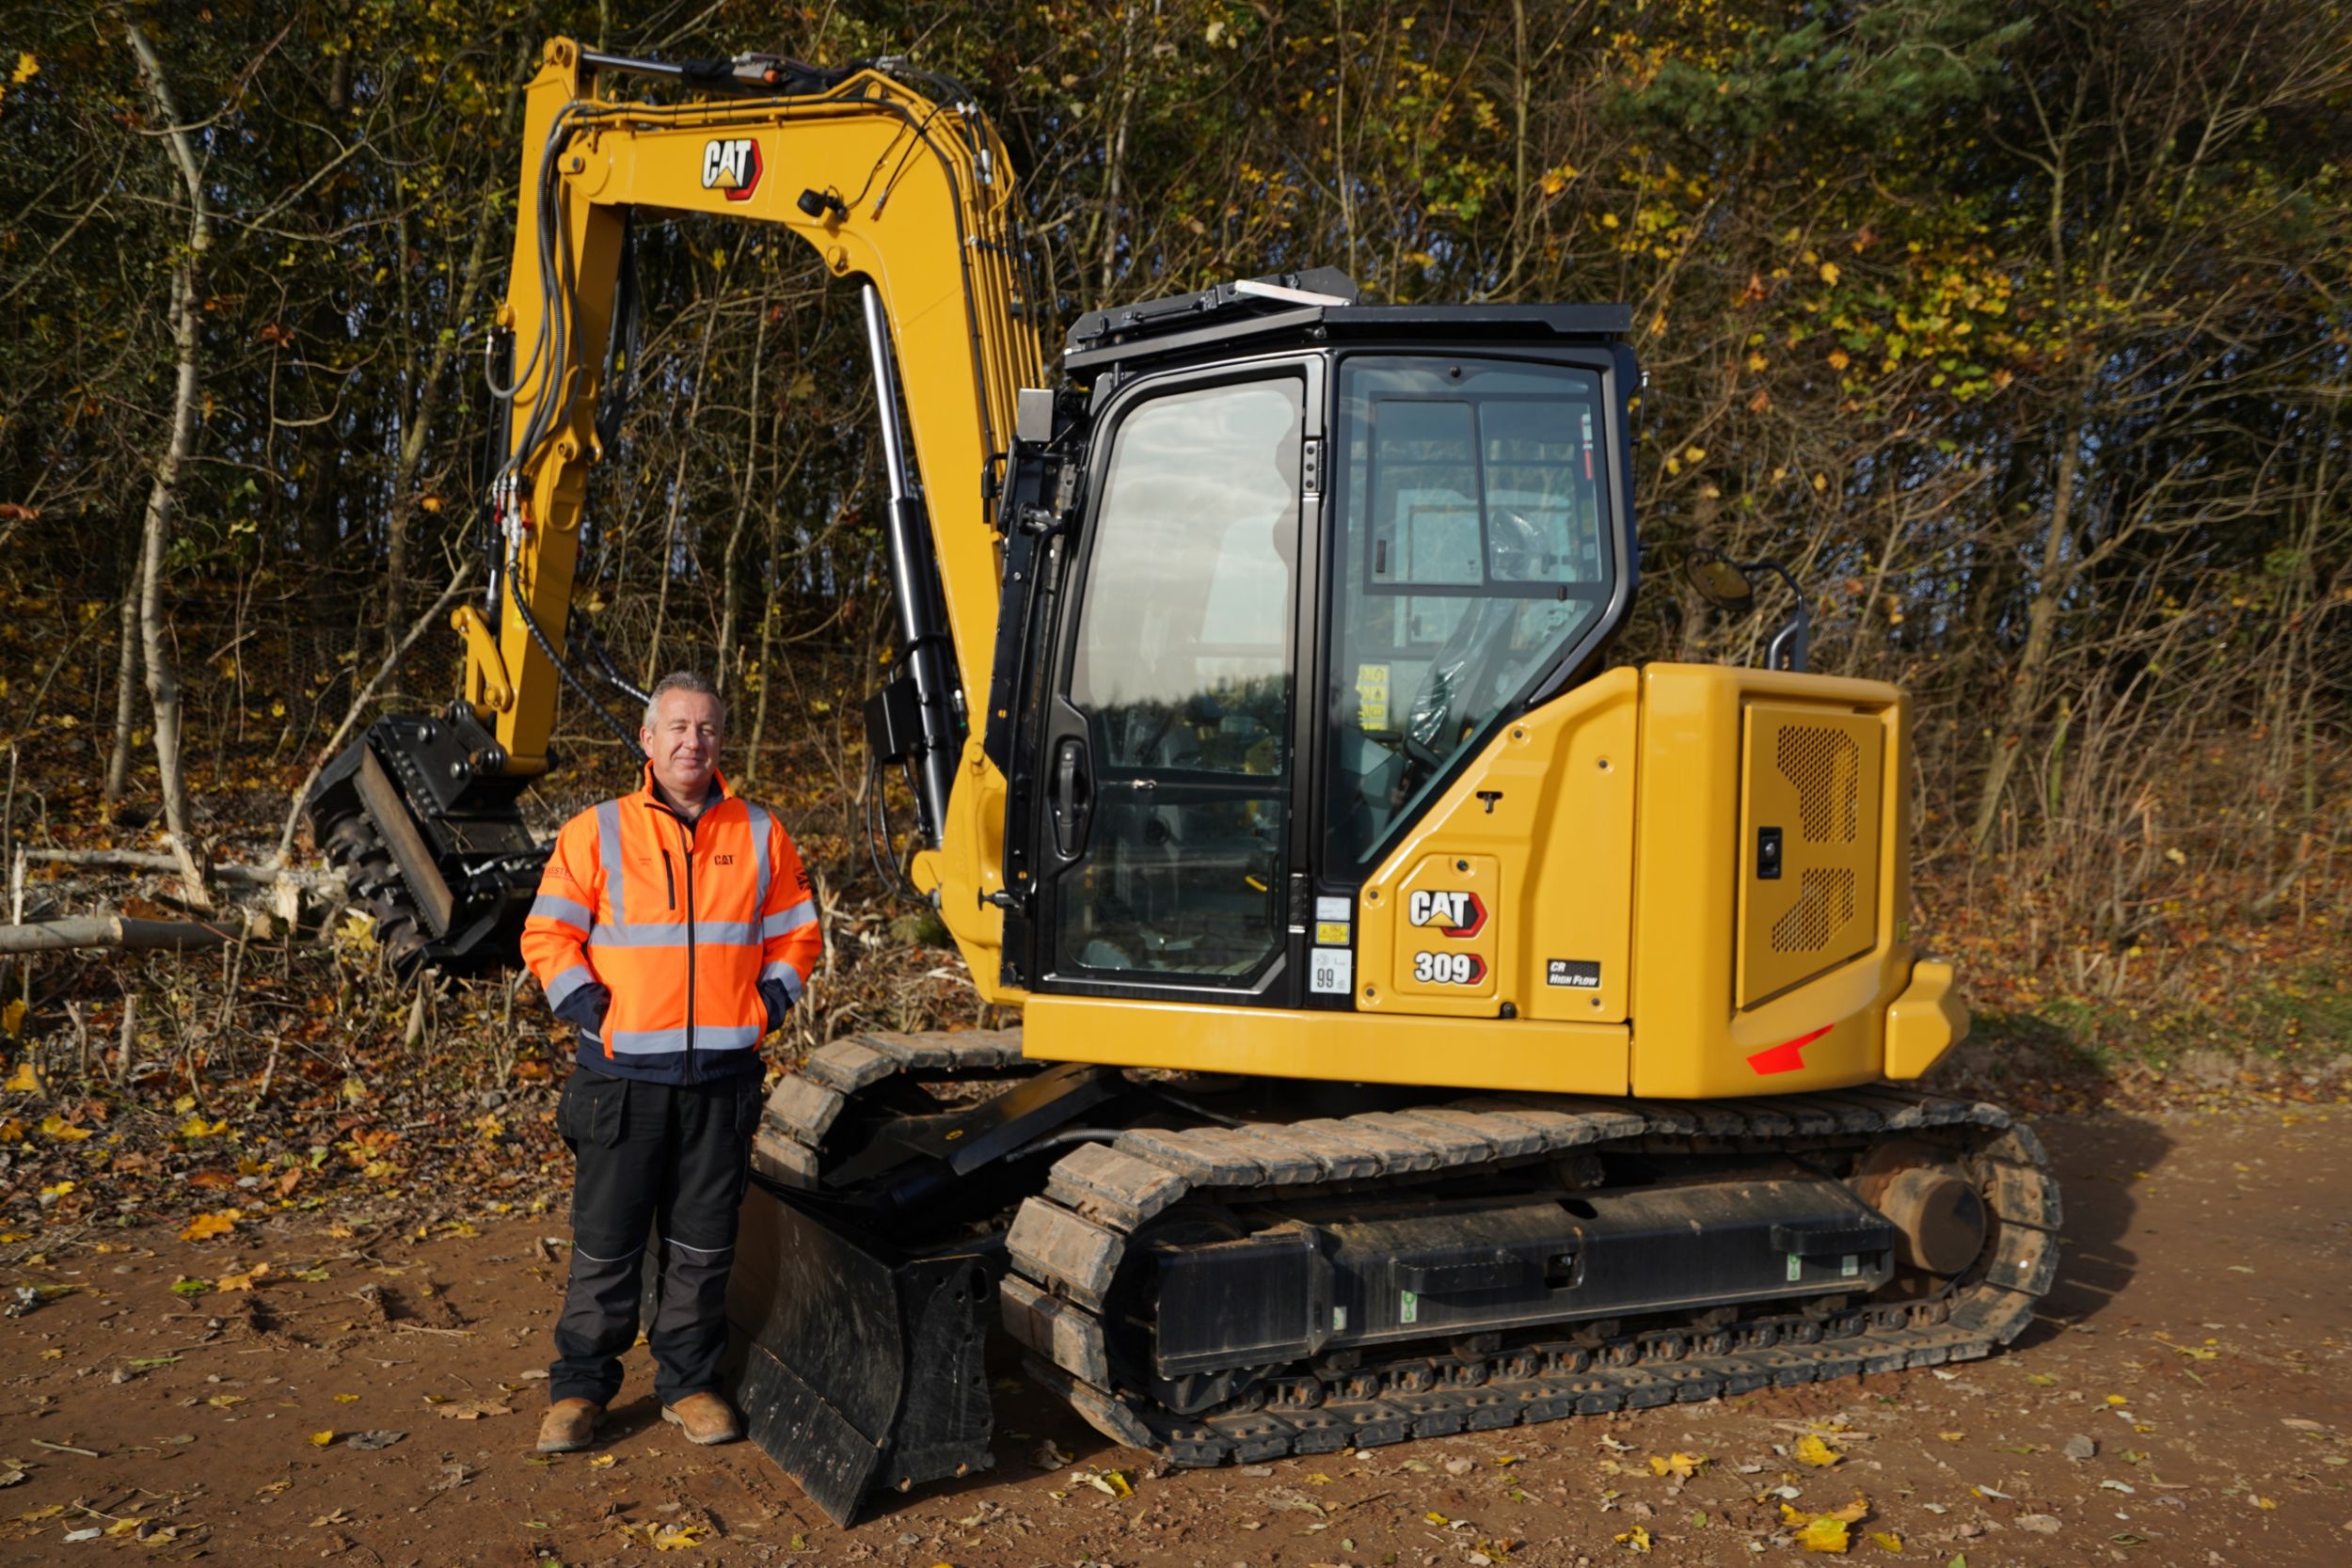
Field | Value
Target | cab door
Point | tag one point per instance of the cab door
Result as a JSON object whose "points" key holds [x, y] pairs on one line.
{"points": [[1169, 756]]}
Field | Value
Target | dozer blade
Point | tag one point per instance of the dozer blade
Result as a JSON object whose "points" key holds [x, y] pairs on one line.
{"points": [[856, 1365]]}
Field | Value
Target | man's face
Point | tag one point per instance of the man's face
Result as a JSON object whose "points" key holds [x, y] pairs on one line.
{"points": [[682, 742]]}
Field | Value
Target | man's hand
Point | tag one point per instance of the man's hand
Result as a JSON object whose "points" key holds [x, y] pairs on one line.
{"points": [[586, 1007]]}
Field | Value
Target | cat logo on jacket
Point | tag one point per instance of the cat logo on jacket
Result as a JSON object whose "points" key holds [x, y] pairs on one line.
{"points": [[1460, 916]]}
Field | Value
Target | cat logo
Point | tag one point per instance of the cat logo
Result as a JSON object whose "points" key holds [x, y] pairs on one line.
{"points": [[1454, 914], [731, 164]]}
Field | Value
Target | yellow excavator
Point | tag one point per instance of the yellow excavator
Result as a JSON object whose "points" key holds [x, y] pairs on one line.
{"points": [[1426, 1026]]}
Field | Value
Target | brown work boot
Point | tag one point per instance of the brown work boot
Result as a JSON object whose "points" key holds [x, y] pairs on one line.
{"points": [[569, 1425], [704, 1418]]}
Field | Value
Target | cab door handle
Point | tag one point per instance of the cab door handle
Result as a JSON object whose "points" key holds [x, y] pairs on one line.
{"points": [[1073, 799]]}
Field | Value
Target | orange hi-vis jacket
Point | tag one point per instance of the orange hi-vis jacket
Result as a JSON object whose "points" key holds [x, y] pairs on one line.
{"points": [[675, 947]]}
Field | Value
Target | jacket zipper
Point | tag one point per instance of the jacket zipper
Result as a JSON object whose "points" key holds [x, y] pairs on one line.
{"points": [[669, 881], [686, 850]]}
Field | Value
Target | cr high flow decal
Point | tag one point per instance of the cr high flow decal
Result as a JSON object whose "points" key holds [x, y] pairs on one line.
{"points": [[1449, 969], [1454, 914], [731, 164]]}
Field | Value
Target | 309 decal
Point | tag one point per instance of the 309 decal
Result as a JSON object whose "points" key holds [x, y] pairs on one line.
{"points": [[1448, 969]]}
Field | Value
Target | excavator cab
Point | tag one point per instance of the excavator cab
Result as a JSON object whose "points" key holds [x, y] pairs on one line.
{"points": [[1305, 555]]}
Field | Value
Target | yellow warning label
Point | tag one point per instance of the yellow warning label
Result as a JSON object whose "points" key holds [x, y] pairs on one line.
{"points": [[1371, 696], [1330, 933]]}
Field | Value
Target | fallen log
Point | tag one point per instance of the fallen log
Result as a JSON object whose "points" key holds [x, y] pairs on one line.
{"points": [[115, 931], [143, 860]]}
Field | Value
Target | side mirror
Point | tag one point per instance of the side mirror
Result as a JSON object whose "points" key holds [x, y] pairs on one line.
{"points": [[1720, 582]]}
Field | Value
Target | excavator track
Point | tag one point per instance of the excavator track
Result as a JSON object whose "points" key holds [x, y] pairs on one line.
{"points": [[1068, 1245], [1060, 1297]]}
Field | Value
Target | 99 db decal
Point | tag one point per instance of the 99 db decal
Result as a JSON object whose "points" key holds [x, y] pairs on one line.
{"points": [[1449, 969]]}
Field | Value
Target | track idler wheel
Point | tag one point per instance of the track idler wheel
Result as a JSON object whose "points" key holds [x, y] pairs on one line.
{"points": [[1940, 1219]]}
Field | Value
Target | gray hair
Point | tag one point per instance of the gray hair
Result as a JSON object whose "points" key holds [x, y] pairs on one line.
{"points": [[685, 680]]}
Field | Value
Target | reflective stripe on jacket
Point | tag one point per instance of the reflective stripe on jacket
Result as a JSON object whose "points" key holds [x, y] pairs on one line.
{"points": [[675, 947]]}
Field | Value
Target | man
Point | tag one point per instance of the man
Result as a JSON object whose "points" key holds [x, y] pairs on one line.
{"points": [[672, 929]]}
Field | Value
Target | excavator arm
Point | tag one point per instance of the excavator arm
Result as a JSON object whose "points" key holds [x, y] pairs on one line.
{"points": [[901, 185]]}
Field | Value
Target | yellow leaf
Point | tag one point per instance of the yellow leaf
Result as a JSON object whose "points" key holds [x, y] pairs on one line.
{"points": [[346, 1399], [1679, 1464], [1812, 1451], [1829, 273], [59, 1190], [1825, 1535], [12, 1018], [321, 1439], [1117, 1480], [677, 1538], [1889, 1540], [244, 1281], [1839, 360], [2116, 1399], [197, 1127], [1436, 1518], [604, 1462], [55, 1126], [1846, 1513], [27, 68], [1635, 1539], [222, 1401], [1951, 1436], [219, 1223], [2266, 1502]]}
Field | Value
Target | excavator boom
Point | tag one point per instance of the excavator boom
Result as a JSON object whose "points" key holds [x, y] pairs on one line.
{"points": [[901, 185]]}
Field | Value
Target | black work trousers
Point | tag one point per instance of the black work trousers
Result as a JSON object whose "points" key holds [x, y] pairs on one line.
{"points": [[659, 1164]]}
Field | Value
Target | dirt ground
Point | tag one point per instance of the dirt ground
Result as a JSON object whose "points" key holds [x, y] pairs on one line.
{"points": [[374, 1398]]}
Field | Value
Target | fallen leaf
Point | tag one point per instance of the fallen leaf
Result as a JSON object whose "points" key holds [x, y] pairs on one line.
{"points": [[1678, 1463], [677, 1538], [346, 1399], [204, 1227], [321, 1439], [184, 1286], [1825, 1535], [1635, 1539], [56, 1127], [1889, 1540], [1812, 1451], [244, 1281], [338, 1517], [222, 1401], [376, 1438], [470, 1410], [604, 1462]]}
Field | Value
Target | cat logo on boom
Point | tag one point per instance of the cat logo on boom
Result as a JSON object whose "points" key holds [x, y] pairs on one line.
{"points": [[1461, 915], [731, 164]]}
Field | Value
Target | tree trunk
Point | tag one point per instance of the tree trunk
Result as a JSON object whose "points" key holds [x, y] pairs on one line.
{"points": [[2051, 583], [162, 496], [126, 692]]}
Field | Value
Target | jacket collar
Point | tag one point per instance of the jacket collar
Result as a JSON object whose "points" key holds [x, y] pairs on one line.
{"points": [[646, 795]]}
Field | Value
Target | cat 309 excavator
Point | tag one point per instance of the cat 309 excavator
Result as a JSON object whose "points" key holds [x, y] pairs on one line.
{"points": [[1426, 1027]]}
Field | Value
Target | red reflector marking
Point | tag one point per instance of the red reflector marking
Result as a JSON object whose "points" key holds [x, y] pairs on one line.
{"points": [[1787, 1056]]}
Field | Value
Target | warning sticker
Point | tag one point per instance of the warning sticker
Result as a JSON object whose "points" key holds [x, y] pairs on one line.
{"points": [[1371, 696]]}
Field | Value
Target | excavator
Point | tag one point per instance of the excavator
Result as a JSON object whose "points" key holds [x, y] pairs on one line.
{"points": [[1426, 1026]]}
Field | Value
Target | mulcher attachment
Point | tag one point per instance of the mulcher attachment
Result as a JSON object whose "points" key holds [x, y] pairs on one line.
{"points": [[427, 832]]}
